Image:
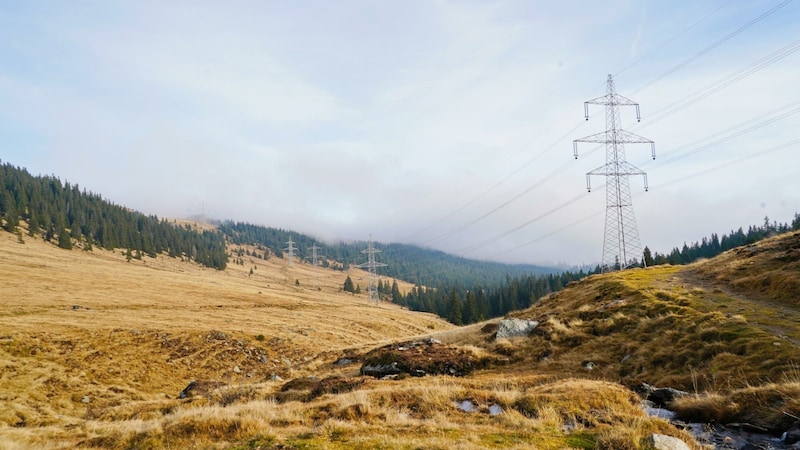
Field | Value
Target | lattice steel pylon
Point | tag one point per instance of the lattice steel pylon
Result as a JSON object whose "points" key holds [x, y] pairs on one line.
{"points": [[315, 260], [290, 252], [371, 265], [621, 245]]}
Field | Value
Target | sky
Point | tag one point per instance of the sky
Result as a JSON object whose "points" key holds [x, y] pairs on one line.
{"points": [[446, 124]]}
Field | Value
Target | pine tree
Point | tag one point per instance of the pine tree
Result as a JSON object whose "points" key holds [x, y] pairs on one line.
{"points": [[64, 240], [348, 285], [471, 313], [648, 257], [454, 314]]}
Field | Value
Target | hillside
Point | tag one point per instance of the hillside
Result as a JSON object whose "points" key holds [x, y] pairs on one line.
{"points": [[708, 325], [81, 324], [95, 350], [417, 265]]}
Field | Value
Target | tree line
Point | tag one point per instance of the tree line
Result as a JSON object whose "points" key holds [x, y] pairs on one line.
{"points": [[710, 247], [463, 306], [411, 263], [64, 214]]}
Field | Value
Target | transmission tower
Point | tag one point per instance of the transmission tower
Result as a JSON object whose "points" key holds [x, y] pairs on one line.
{"points": [[290, 252], [621, 245], [315, 261], [371, 265], [203, 211]]}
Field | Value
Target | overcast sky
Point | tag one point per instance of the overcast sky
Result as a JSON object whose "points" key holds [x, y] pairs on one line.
{"points": [[447, 124]]}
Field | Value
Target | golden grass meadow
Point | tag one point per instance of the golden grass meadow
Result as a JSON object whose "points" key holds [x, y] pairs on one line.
{"points": [[94, 351]]}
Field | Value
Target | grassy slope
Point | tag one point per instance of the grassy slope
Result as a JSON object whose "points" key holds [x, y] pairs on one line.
{"points": [[727, 329], [94, 350], [129, 336], [77, 324]]}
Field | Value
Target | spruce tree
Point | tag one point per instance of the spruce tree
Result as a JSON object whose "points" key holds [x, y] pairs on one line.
{"points": [[64, 240], [454, 314], [348, 285]]}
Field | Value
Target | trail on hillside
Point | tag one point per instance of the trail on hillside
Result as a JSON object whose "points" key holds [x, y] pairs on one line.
{"points": [[778, 318]]}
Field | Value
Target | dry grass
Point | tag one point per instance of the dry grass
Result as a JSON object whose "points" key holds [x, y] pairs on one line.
{"points": [[775, 407], [94, 350], [653, 326], [87, 335], [399, 414]]}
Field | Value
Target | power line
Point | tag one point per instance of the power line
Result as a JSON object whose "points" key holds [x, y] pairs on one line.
{"points": [[733, 162], [463, 227], [714, 45], [726, 81], [674, 181], [739, 133], [519, 227], [670, 40], [487, 191], [552, 233], [457, 230]]}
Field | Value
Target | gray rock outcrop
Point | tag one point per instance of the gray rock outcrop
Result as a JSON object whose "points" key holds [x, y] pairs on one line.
{"points": [[507, 328], [664, 442]]}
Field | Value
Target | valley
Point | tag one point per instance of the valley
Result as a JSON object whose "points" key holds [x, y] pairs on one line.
{"points": [[95, 350]]}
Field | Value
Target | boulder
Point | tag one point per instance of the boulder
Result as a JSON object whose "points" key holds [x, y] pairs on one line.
{"points": [[660, 397], [664, 442], [508, 328], [380, 370], [199, 388], [418, 359]]}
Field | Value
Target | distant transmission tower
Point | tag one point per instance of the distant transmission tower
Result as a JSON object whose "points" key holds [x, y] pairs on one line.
{"points": [[290, 252], [203, 211], [621, 245], [371, 265], [315, 261]]}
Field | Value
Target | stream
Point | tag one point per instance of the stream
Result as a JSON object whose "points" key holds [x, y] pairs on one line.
{"points": [[732, 437]]}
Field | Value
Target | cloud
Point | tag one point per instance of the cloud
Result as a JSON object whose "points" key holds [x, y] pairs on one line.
{"points": [[405, 120]]}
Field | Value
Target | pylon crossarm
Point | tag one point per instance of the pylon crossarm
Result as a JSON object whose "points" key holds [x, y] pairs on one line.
{"points": [[619, 137], [598, 138], [627, 168], [627, 137], [621, 100]]}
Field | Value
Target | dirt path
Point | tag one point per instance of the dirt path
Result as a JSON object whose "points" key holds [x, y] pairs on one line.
{"points": [[779, 319]]}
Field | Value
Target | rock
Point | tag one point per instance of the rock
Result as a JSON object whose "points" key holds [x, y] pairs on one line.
{"points": [[85, 399], [660, 397], [507, 328], [199, 388], [664, 442], [466, 406], [418, 358], [588, 365], [276, 377], [380, 370], [661, 413], [236, 369], [343, 362], [495, 410], [790, 437], [263, 359]]}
